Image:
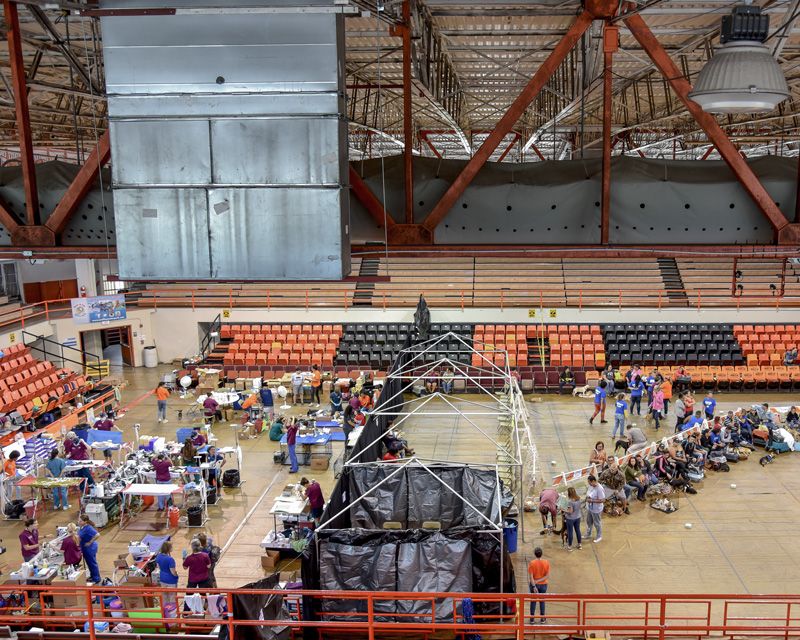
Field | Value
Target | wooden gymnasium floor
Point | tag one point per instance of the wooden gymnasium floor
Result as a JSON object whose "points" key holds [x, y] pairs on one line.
{"points": [[742, 540]]}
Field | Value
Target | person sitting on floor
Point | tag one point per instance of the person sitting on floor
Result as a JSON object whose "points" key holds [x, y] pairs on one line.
{"points": [[765, 416], [694, 452], [397, 445], [598, 456], [613, 481], [276, 430], [566, 379], [792, 418], [635, 479]]}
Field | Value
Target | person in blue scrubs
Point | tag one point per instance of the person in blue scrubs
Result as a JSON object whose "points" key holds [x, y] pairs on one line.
{"points": [[636, 387], [87, 536]]}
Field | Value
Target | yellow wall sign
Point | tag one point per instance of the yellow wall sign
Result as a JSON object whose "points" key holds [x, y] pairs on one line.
{"points": [[12, 338], [553, 313], [531, 313], [226, 313]]}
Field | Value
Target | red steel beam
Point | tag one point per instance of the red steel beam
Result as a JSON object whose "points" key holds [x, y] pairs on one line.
{"points": [[7, 220], [20, 87], [408, 126], [80, 186], [509, 148], [610, 43], [538, 152], [424, 136], [714, 132], [508, 120], [708, 152], [368, 199]]}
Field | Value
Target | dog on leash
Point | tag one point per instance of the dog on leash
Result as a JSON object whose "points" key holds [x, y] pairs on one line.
{"points": [[583, 391], [563, 530], [622, 443]]}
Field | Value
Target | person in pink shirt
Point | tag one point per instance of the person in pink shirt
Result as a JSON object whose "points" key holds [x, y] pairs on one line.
{"points": [[162, 466], [657, 404], [71, 547]]}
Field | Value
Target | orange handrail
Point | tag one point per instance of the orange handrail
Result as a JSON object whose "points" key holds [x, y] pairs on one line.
{"points": [[368, 613]]}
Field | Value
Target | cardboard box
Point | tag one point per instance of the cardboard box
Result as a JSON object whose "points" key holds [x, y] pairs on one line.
{"points": [[270, 559], [241, 383], [288, 576], [320, 462], [208, 379]]}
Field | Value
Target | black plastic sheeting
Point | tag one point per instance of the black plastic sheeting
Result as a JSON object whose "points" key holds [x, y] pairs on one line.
{"points": [[258, 606], [413, 495], [390, 400], [446, 570], [459, 560]]}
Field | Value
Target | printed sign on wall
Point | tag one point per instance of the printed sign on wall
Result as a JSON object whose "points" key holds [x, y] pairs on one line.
{"points": [[98, 309]]}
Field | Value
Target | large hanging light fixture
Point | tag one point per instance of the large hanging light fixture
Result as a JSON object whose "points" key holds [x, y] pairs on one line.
{"points": [[742, 76]]}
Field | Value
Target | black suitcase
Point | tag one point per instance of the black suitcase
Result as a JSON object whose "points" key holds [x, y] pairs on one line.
{"points": [[230, 478]]}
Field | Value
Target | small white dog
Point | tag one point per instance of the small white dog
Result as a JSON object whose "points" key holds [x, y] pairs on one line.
{"points": [[583, 392]]}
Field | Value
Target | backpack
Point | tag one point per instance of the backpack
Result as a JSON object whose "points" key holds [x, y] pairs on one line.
{"points": [[15, 509]]}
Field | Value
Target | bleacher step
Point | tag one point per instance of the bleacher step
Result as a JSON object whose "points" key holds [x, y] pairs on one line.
{"points": [[673, 283], [362, 295]]}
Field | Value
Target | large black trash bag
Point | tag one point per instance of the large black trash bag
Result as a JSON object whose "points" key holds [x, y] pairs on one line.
{"points": [[258, 606]]}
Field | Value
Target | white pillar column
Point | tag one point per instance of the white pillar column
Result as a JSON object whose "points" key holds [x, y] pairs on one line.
{"points": [[84, 271]]}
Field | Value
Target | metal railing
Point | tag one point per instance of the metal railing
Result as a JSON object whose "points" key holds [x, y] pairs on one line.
{"points": [[306, 298], [364, 614]]}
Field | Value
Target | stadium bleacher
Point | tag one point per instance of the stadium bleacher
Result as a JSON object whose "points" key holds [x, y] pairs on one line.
{"points": [[28, 385]]}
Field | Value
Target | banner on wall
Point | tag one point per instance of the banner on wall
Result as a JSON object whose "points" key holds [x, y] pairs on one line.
{"points": [[98, 309]]}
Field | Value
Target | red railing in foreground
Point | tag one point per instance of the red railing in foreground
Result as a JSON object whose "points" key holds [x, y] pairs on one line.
{"points": [[304, 297], [655, 616]]}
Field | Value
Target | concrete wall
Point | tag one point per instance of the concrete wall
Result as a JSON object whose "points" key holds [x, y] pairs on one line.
{"points": [[46, 270]]}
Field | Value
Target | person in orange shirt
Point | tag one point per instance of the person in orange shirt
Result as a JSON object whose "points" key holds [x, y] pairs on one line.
{"points": [[316, 383], [162, 393], [538, 575], [10, 476], [666, 389]]}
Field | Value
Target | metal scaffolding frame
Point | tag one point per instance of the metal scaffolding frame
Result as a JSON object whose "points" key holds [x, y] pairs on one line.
{"points": [[516, 458]]}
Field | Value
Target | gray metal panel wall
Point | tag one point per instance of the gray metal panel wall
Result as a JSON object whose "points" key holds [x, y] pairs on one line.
{"points": [[652, 201], [228, 144]]}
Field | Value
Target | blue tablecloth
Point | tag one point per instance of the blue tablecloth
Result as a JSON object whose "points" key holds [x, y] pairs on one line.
{"points": [[321, 424], [323, 438], [96, 435]]}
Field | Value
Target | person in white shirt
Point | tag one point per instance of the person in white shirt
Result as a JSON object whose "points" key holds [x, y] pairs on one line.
{"points": [[595, 499], [297, 386]]}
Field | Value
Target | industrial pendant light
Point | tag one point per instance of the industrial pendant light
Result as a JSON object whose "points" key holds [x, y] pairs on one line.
{"points": [[742, 76]]}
